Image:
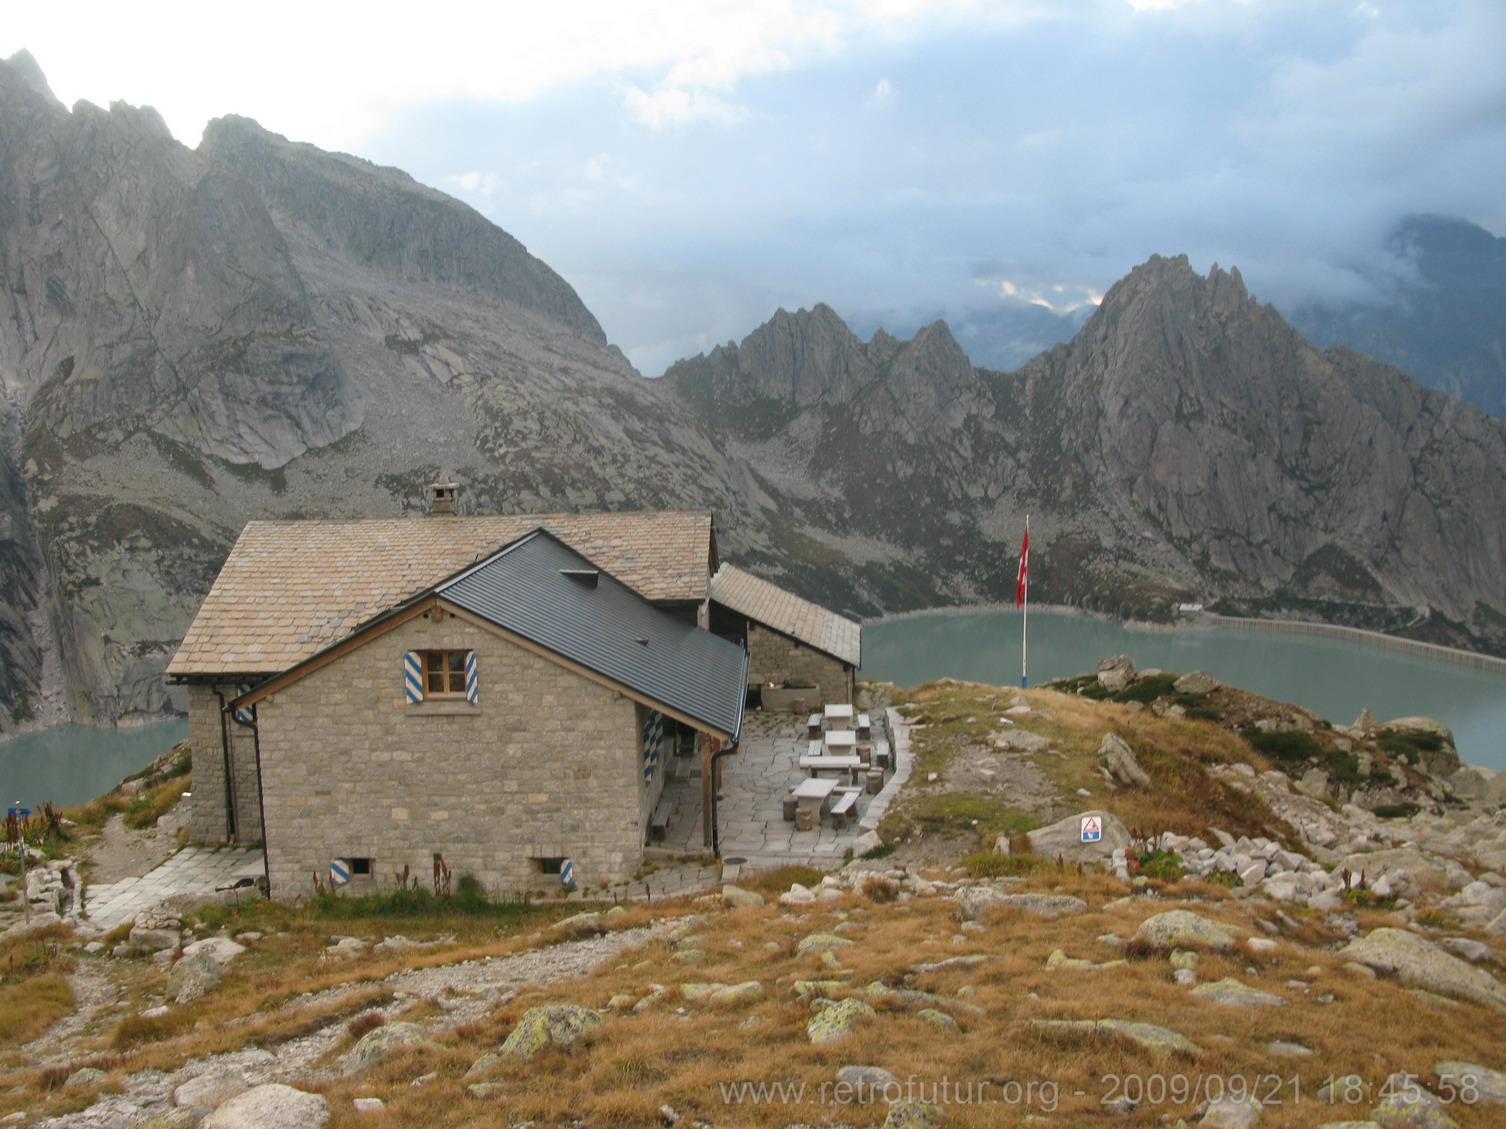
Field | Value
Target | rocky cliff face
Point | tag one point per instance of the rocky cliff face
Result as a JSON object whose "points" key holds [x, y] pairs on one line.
{"points": [[255, 328], [1186, 444], [1443, 320]]}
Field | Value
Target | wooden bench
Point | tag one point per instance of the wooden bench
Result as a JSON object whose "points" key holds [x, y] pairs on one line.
{"points": [[813, 725], [844, 805], [658, 824], [864, 727]]}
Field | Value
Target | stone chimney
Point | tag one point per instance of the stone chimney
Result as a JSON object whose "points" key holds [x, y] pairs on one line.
{"points": [[442, 499]]}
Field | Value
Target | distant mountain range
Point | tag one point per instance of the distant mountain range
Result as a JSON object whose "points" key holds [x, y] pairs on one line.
{"points": [[255, 328], [1438, 312]]}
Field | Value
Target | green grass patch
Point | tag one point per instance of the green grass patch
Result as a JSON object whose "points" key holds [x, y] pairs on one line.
{"points": [[965, 811], [1292, 745], [1409, 745], [1147, 690], [468, 901], [1343, 767]]}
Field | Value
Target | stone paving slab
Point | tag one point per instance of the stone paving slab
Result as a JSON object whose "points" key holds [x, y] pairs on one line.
{"points": [[192, 871]]}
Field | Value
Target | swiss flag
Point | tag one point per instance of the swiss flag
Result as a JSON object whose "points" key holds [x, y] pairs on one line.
{"points": [[1022, 580]]}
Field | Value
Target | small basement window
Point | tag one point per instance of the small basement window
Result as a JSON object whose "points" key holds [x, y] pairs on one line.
{"points": [[360, 868], [550, 866]]}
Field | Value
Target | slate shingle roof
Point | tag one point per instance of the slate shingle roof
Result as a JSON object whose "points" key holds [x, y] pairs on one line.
{"points": [[605, 626], [785, 612], [290, 589]]}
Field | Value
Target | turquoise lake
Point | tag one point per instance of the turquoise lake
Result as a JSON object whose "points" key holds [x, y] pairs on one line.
{"points": [[1335, 678], [75, 763]]}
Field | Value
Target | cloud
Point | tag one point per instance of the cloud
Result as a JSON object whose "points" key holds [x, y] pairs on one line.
{"points": [[692, 165]]}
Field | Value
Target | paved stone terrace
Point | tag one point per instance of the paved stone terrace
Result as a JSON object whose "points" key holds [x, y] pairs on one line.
{"points": [[755, 780], [192, 871]]}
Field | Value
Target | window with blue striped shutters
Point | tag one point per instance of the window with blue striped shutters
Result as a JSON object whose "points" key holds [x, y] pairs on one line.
{"points": [[440, 674], [653, 743]]}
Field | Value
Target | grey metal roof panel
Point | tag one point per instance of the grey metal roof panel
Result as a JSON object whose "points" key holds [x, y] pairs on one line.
{"points": [[540, 588]]}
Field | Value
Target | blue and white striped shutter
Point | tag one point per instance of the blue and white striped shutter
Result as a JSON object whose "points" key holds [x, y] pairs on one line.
{"points": [[653, 741], [246, 715], [339, 872], [413, 677], [472, 688], [567, 873]]}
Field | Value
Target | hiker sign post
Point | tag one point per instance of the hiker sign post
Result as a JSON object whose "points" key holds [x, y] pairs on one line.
{"points": [[1092, 828]]}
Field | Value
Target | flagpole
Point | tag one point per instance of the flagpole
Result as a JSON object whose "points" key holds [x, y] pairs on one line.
{"points": [[1025, 609]]}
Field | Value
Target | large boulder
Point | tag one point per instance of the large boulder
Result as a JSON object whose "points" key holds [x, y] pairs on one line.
{"points": [[560, 1025], [273, 1106], [1065, 838], [1159, 1041], [1418, 962], [837, 1021], [1181, 929], [380, 1044], [211, 1089], [1196, 682], [973, 900], [194, 976], [1120, 761], [1116, 673]]}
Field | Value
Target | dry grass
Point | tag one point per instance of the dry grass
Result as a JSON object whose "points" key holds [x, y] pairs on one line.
{"points": [[693, 1056], [34, 988]]}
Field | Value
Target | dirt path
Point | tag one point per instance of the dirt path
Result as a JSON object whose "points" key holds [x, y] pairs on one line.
{"points": [[121, 852]]}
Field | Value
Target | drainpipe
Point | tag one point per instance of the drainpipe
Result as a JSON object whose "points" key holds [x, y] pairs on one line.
{"points": [[261, 797], [716, 848], [232, 825]]}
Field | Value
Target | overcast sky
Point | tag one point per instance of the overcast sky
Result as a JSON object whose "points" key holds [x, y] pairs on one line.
{"points": [[691, 165]]}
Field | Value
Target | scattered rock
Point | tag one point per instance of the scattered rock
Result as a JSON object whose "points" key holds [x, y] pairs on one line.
{"points": [[735, 896], [1116, 673], [1196, 682], [84, 1077], [973, 900], [380, 1044], [1064, 838], [1407, 1105], [272, 1106], [1231, 993], [737, 995], [1181, 929], [560, 1025], [867, 1083], [913, 1113], [194, 976], [837, 1021], [939, 1020], [211, 1089], [1159, 1041], [221, 950], [1231, 1113], [1482, 1083], [1418, 962], [819, 943]]}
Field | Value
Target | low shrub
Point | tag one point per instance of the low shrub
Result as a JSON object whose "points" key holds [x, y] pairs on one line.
{"points": [[1290, 745], [1147, 690]]}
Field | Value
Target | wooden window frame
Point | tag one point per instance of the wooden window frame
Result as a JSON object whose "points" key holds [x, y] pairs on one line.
{"points": [[453, 677]]}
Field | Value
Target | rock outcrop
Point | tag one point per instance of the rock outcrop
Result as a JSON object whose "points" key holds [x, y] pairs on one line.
{"points": [[257, 328]]}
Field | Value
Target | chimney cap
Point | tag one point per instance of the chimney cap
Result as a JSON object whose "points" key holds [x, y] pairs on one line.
{"points": [[442, 497]]}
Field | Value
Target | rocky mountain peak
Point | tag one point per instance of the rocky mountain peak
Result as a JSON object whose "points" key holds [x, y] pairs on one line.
{"points": [[23, 67]]}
